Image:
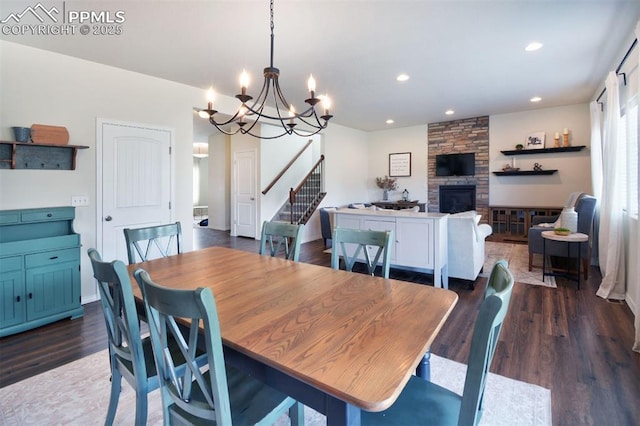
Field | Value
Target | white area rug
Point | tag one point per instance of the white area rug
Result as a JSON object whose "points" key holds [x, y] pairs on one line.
{"points": [[518, 257], [78, 394]]}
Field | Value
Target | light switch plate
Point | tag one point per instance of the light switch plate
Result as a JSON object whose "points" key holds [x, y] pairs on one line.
{"points": [[79, 200]]}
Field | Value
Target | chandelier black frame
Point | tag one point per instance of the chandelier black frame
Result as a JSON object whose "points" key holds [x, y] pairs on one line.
{"points": [[285, 115]]}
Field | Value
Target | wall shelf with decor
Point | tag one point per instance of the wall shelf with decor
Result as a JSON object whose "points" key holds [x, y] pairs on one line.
{"points": [[543, 150], [526, 172], [38, 156]]}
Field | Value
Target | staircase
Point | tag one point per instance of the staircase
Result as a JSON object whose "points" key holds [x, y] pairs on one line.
{"points": [[305, 199]]}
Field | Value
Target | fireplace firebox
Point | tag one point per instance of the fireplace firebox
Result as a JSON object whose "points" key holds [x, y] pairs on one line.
{"points": [[457, 198]]}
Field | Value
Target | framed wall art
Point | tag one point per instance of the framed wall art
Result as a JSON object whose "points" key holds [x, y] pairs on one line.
{"points": [[400, 164], [534, 140]]}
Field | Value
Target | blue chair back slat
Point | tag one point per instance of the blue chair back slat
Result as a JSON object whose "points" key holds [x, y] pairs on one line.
{"points": [[141, 242], [353, 245], [279, 236]]}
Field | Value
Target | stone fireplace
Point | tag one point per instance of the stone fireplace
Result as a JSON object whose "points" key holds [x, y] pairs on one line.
{"points": [[457, 198], [460, 136]]}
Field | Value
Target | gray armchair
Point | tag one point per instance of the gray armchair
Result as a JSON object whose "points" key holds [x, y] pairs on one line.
{"points": [[585, 206]]}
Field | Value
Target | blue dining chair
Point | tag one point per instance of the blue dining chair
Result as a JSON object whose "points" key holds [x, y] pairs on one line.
{"points": [[163, 240], [425, 403], [222, 394], [356, 245], [281, 236], [130, 355]]}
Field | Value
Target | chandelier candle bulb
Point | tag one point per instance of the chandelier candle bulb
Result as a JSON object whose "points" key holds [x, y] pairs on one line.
{"points": [[311, 84], [244, 82], [292, 114], [326, 103], [211, 96]]}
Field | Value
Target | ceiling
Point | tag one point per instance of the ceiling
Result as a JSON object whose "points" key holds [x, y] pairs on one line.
{"points": [[463, 55]]}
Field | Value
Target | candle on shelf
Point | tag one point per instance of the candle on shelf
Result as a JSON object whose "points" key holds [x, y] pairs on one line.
{"points": [[565, 137], [556, 140]]}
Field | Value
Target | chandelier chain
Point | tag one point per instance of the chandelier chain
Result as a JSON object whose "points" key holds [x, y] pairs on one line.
{"points": [[271, 10]]}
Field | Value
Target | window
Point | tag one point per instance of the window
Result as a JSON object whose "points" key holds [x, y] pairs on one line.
{"points": [[628, 133]]}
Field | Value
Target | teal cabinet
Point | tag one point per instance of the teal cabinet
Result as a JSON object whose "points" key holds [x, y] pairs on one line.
{"points": [[12, 300], [39, 268]]}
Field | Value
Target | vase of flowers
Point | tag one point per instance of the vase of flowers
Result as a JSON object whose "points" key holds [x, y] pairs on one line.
{"points": [[386, 184]]}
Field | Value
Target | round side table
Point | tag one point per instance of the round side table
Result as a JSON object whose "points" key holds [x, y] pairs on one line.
{"points": [[576, 238]]}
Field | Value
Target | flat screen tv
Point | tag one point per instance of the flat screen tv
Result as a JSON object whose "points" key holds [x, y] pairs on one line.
{"points": [[461, 164]]}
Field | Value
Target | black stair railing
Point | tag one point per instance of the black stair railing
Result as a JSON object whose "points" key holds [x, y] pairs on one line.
{"points": [[304, 199]]}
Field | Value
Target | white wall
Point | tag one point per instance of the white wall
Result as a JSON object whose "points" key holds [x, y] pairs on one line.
{"points": [[201, 179], [48, 88], [274, 156], [346, 154], [574, 168], [219, 188], [408, 139]]}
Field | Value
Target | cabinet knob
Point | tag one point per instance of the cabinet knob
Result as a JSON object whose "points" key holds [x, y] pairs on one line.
{"points": [[30, 295], [17, 298], [49, 215], [108, 219]]}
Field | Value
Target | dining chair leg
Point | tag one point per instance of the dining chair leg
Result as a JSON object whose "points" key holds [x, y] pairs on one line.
{"points": [[585, 268], [423, 370], [116, 387], [141, 407], [296, 414]]}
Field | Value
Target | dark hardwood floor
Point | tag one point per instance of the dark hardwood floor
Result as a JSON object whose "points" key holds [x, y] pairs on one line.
{"points": [[567, 340]]}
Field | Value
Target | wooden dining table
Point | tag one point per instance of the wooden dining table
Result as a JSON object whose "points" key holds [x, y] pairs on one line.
{"points": [[338, 342]]}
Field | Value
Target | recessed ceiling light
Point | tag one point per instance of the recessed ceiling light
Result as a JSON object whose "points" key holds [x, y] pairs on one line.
{"points": [[533, 46], [389, 121], [449, 112], [402, 77], [535, 99]]}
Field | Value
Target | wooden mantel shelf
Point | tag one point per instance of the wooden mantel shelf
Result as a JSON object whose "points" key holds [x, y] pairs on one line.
{"points": [[39, 156]]}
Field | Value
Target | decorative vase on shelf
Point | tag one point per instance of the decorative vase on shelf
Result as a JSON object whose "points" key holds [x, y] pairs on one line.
{"points": [[385, 195], [569, 219]]}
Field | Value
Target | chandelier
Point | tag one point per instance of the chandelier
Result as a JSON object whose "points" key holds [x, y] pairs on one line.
{"points": [[284, 116]]}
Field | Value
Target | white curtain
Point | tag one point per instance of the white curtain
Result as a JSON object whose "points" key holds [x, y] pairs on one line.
{"points": [[596, 174], [636, 343], [611, 245]]}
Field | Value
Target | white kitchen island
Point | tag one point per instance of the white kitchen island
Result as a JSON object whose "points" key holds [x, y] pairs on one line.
{"points": [[420, 238]]}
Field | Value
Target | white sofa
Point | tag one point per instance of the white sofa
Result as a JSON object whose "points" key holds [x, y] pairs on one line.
{"points": [[466, 245]]}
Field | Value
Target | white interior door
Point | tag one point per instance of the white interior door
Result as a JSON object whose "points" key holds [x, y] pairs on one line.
{"points": [[134, 182], [245, 187]]}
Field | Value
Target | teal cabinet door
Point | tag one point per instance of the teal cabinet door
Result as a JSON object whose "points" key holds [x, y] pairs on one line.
{"points": [[52, 289], [12, 299]]}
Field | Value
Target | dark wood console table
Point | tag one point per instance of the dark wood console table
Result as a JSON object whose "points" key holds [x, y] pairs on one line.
{"points": [[399, 205]]}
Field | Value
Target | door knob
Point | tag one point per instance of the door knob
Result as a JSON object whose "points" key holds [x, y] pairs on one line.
{"points": [[108, 218]]}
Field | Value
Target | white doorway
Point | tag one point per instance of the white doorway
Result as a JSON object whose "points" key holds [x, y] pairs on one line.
{"points": [[135, 181], [244, 189]]}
